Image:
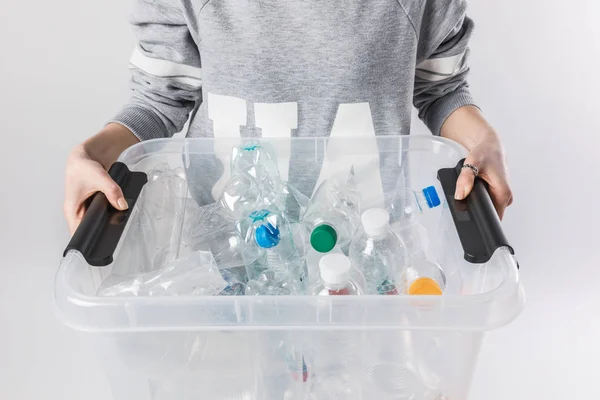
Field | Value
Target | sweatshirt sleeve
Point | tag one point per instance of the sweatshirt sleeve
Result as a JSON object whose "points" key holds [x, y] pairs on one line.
{"points": [[441, 72], [165, 71]]}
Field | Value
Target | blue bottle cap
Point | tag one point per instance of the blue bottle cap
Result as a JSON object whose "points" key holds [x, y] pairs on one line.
{"points": [[267, 236], [433, 200]]}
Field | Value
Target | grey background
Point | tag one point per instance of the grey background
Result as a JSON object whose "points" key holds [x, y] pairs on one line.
{"points": [[63, 72]]}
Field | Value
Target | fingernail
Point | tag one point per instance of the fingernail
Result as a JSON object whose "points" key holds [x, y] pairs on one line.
{"points": [[122, 204], [459, 195]]}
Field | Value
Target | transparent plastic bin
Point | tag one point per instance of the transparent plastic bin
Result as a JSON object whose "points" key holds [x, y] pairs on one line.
{"points": [[245, 347]]}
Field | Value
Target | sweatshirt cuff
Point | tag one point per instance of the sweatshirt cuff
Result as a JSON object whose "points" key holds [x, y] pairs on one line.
{"points": [[141, 122], [441, 109]]}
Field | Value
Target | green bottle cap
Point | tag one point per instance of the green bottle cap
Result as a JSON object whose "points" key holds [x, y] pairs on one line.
{"points": [[323, 238]]}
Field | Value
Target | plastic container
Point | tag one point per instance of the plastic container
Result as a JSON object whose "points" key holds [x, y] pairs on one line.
{"points": [[263, 347]]}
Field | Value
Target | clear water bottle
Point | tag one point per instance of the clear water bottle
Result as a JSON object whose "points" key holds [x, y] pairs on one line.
{"points": [[313, 258], [332, 216], [407, 222], [338, 357], [278, 269], [378, 254], [422, 276], [335, 277]]}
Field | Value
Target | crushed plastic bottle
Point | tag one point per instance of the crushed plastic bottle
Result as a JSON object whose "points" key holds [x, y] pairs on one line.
{"points": [[335, 277], [256, 182], [291, 201], [378, 254], [162, 212], [332, 216], [236, 281], [194, 275], [258, 160], [272, 261], [241, 194], [210, 229]]}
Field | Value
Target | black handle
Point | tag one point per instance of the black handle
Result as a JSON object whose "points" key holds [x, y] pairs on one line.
{"points": [[97, 236], [475, 218]]}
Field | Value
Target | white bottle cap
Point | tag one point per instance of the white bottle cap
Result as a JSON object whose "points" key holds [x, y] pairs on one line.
{"points": [[376, 222], [334, 268]]}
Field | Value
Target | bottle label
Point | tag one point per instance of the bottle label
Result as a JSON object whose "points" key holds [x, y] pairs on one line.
{"points": [[341, 292]]}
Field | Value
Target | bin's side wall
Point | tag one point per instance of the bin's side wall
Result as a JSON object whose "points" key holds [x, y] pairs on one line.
{"points": [[428, 365]]}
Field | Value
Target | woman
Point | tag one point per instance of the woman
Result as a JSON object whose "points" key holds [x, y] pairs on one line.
{"points": [[298, 68]]}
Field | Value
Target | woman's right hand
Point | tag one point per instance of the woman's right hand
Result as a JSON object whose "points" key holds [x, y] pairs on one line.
{"points": [[86, 172]]}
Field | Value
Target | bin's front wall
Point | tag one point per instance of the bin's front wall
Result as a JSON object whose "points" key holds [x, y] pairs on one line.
{"points": [[418, 365]]}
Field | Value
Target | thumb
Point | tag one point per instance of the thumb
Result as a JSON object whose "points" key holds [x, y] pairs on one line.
{"points": [[111, 190], [466, 180]]}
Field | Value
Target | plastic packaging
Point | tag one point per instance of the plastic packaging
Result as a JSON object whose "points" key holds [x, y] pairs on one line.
{"points": [[378, 254], [332, 216]]}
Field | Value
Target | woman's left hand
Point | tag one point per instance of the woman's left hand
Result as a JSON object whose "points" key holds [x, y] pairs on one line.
{"points": [[467, 126], [488, 157]]}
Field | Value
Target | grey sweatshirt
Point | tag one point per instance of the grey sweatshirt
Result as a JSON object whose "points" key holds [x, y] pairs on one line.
{"points": [[270, 68]]}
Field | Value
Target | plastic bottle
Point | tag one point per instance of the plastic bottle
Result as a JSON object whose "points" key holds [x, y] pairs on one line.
{"points": [[236, 281], [338, 356], [263, 186], [257, 159], [335, 277], [408, 223], [378, 254], [313, 258], [278, 269], [422, 276], [241, 194], [293, 202], [332, 216]]}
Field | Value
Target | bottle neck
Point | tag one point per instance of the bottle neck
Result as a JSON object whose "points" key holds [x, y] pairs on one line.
{"points": [[336, 286], [381, 236]]}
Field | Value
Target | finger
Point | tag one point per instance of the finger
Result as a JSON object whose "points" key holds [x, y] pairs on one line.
{"points": [[111, 189], [73, 215], [501, 194], [466, 180]]}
